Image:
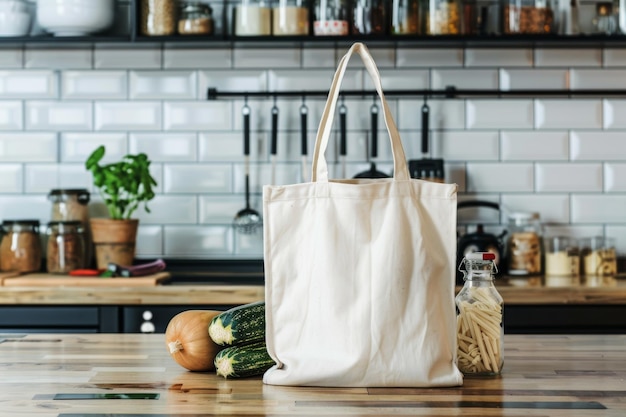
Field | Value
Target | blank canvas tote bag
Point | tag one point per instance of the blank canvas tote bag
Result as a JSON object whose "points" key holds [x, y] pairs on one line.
{"points": [[359, 273]]}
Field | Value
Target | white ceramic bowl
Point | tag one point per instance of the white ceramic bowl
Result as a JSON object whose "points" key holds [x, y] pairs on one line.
{"points": [[75, 17], [15, 23]]}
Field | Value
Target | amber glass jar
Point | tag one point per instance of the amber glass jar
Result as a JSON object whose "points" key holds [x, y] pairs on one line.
{"points": [[158, 17], [20, 248]]}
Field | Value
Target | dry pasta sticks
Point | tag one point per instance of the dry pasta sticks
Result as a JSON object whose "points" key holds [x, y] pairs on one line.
{"points": [[479, 329]]}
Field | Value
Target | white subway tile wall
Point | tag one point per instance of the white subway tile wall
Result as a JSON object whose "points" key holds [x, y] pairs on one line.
{"points": [[562, 157]]}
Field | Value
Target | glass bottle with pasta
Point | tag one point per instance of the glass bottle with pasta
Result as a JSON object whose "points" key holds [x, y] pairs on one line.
{"points": [[480, 330]]}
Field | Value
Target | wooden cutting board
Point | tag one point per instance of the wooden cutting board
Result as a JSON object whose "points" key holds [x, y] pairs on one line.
{"points": [[53, 280], [5, 275]]}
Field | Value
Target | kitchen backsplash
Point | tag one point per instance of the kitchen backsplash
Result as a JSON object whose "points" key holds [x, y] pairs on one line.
{"points": [[565, 158]]}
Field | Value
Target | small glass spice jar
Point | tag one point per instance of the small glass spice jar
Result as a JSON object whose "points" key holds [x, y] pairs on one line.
{"points": [[530, 16], [20, 248], [195, 18], [369, 17], [66, 247], [158, 17], [480, 329], [443, 17], [524, 246], [253, 18], [290, 17], [405, 17], [331, 18]]}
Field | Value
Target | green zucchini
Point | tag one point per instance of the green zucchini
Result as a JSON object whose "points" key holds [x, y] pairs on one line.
{"points": [[240, 325], [243, 361]]}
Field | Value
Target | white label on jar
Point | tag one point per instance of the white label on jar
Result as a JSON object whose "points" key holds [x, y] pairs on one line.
{"points": [[330, 27], [290, 20], [252, 21]]}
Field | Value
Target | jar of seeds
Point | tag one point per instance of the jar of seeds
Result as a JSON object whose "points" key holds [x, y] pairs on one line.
{"points": [[158, 17], [443, 17], [530, 17]]}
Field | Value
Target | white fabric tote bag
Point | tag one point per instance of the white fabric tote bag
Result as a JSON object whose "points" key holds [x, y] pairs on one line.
{"points": [[359, 273]]}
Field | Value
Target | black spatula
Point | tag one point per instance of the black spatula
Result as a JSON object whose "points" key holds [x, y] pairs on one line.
{"points": [[426, 168]]}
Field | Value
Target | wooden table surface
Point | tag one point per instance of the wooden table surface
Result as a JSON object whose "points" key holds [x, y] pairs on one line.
{"points": [[548, 376], [533, 290]]}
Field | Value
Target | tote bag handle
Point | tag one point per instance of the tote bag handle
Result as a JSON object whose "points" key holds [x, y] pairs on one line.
{"points": [[319, 165]]}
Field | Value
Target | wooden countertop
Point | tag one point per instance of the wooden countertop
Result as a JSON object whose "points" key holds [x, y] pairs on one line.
{"points": [[515, 291], [544, 375]]}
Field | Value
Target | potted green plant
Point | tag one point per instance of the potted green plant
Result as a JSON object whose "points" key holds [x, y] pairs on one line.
{"points": [[124, 186]]}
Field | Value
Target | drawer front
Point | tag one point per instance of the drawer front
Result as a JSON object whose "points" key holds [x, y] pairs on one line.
{"points": [[154, 319], [48, 317]]}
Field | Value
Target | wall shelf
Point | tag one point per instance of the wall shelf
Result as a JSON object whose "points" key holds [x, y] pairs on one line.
{"points": [[221, 41], [126, 33]]}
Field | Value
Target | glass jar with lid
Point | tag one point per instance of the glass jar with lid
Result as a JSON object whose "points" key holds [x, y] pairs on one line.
{"points": [[195, 18], [481, 17], [252, 18], [158, 17], [405, 17], [290, 18], [66, 247], [369, 17], [530, 17], [71, 204], [480, 329], [524, 246], [331, 18], [443, 17], [20, 248]]}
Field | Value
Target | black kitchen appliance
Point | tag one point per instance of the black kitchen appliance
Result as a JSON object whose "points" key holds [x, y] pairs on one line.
{"points": [[479, 241]]}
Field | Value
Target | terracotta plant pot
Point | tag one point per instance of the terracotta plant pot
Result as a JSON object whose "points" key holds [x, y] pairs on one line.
{"points": [[114, 241]]}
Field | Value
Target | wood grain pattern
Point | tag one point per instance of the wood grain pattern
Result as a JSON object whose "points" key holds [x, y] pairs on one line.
{"points": [[529, 291], [555, 376], [52, 280]]}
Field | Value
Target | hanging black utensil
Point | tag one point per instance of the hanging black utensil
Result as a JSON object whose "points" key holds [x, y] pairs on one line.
{"points": [[274, 141], [343, 140], [247, 220], [304, 113], [372, 172], [426, 168]]}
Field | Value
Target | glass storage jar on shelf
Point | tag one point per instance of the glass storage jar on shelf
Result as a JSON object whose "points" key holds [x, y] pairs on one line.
{"points": [[290, 17], [158, 17], [405, 17], [195, 18], [443, 17], [369, 17], [481, 17], [524, 246], [66, 247], [480, 329], [20, 248], [605, 21], [530, 17], [332, 18], [252, 18]]}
